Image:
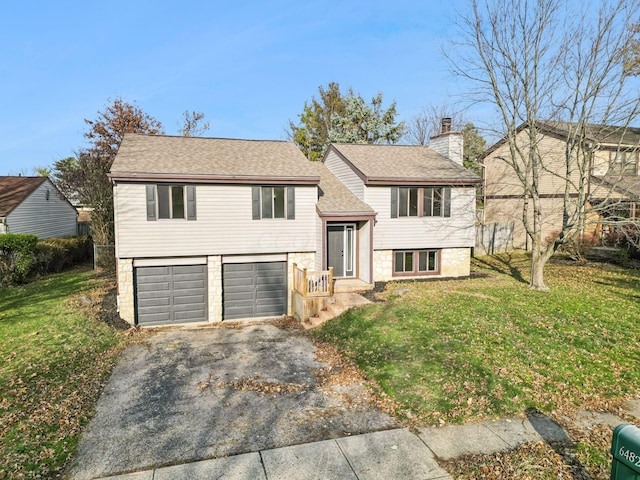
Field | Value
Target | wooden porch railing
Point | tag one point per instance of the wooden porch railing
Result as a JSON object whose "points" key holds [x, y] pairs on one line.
{"points": [[311, 283]]}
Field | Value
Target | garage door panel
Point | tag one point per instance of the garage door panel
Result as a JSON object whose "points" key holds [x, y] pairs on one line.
{"points": [[188, 285], [153, 302], [188, 269], [189, 299], [153, 271], [171, 294], [154, 287]]}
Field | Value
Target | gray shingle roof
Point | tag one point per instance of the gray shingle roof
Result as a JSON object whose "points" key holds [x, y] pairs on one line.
{"points": [[400, 163], [628, 185], [141, 155], [335, 197]]}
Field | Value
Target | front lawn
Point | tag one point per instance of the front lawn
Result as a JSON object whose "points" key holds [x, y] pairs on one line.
{"points": [[55, 358], [466, 350]]}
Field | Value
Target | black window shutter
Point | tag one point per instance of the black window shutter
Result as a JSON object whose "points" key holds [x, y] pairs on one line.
{"points": [[291, 203], [151, 202], [394, 202], [191, 202], [255, 201], [446, 200]]}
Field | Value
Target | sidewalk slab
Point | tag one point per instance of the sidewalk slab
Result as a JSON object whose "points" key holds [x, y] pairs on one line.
{"points": [[312, 461], [390, 455], [515, 431], [451, 442], [587, 419], [239, 467], [633, 408]]}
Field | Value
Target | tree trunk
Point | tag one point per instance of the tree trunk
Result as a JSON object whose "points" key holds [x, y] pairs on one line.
{"points": [[539, 258]]}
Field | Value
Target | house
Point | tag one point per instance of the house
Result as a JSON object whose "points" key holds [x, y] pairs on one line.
{"points": [[34, 205], [211, 229], [611, 156]]}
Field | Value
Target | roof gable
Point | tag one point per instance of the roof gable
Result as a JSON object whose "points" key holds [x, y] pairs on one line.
{"points": [[335, 198], [156, 157], [14, 190], [403, 164], [601, 134]]}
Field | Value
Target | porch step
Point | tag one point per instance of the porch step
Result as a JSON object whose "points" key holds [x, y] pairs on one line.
{"points": [[345, 285], [341, 303]]}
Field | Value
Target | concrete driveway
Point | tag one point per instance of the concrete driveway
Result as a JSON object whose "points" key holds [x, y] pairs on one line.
{"points": [[188, 395]]}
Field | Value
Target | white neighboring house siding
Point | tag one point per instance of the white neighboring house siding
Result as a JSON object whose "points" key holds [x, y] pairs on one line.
{"points": [[455, 231], [223, 225], [54, 217], [345, 174]]}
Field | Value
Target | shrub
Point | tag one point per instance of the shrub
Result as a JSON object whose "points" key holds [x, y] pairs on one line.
{"points": [[17, 257], [56, 254], [23, 256], [576, 248]]}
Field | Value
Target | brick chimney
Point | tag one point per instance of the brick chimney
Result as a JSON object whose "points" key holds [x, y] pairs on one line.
{"points": [[447, 143]]}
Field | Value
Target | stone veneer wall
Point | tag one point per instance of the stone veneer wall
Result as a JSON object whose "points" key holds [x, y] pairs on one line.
{"points": [[214, 288], [454, 262], [303, 260], [125, 290]]}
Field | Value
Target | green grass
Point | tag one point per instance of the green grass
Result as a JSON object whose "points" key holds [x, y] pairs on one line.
{"points": [[460, 350], [55, 358]]}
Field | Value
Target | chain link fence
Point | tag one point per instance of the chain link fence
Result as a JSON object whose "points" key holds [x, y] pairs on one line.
{"points": [[104, 257]]}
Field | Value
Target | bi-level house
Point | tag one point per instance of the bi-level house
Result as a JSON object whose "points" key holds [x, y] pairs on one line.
{"points": [[212, 229], [611, 157]]}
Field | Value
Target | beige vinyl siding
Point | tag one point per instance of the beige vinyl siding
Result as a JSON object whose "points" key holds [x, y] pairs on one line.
{"points": [[600, 162], [501, 178], [504, 210], [423, 232], [224, 225], [54, 217], [345, 174]]}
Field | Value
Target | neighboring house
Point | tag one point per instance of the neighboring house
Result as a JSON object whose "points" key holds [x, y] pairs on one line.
{"points": [[611, 152], [34, 205], [210, 229]]}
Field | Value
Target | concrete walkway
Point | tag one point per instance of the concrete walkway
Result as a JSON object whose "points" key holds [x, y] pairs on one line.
{"points": [[385, 455]]}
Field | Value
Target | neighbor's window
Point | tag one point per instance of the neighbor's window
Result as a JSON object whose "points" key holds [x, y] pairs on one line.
{"points": [[623, 163], [273, 202], [171, 202], [415, 262]]}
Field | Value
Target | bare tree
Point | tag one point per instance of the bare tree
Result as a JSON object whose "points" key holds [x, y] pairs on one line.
{"points": [[541, 60], [191, 126], [428, 122]]}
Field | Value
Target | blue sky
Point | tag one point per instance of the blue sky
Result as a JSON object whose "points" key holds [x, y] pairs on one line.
{"points": [[248, 65]]}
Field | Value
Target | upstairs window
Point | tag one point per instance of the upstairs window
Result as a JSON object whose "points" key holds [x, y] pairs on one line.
{"points": [[273, 202], [437, 202], [623, 163], [420, 202], [166, 202]]}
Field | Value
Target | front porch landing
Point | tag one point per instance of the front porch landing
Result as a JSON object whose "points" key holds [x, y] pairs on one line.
{"points": [[346, 285]]}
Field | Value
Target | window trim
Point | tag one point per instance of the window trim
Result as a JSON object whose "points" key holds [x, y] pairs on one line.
{"points": [[416, 261], [622, 167]]}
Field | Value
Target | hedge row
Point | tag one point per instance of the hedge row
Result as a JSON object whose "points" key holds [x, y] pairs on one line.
{"points": [[22, 256]]}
